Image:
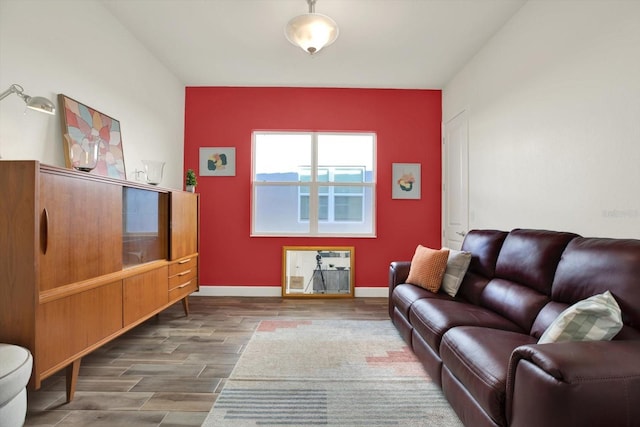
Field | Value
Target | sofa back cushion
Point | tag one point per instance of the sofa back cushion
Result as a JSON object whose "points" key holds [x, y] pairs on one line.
{"points": [[524, 273], [530, 257], [484, 246], [516, 302], [545, 317], [591, 266]]}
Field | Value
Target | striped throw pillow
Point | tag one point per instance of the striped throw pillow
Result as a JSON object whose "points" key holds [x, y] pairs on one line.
{"points": [[597, 318]]}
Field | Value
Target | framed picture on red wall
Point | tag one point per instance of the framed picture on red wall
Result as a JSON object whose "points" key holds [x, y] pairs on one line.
{"points": [[405, 181], [217, 161]]}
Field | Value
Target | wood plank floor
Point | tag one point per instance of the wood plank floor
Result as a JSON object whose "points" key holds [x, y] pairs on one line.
{"points": [[169, 370]]}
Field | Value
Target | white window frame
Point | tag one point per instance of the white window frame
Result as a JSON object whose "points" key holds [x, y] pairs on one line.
{"points": [[314, 185], [332, 194]]}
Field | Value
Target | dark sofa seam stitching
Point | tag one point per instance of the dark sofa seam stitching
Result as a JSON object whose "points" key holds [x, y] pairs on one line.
{"points": [[472, 368]]}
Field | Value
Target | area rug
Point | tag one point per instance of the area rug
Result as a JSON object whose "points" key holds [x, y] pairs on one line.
{"points": [[329, 372]]}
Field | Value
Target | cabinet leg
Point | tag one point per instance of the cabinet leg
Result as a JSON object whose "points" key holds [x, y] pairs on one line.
{"points": [[72, 378], [185, 305]]}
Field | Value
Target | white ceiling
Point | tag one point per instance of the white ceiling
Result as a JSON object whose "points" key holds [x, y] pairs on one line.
{"points": [[418, 44]]}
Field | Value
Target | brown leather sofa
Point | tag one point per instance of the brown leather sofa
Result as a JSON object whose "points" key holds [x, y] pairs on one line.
{"points": [[481, 345]]}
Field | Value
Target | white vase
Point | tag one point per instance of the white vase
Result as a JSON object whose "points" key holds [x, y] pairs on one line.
{"points": [[191, 188]]}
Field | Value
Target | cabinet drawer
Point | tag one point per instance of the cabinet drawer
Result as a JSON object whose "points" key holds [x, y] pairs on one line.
{"points": [[183, 290], [183, 265], [183, 277]]}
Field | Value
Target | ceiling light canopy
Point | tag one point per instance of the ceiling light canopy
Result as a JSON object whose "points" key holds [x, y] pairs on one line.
{"points": [[311, 31], [37, 103]]}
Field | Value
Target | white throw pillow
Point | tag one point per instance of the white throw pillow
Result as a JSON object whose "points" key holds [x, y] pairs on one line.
{"points": [[597, 318], [457, 265]]}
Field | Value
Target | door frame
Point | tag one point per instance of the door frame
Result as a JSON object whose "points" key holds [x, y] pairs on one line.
{"points": [[446, 185]]}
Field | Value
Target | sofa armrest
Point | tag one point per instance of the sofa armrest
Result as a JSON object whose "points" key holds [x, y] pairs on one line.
{"points": [[398, 273], [574, 384]]}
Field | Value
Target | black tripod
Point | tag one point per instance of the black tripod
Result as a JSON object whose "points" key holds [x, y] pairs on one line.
{"points": [[318, 270]]}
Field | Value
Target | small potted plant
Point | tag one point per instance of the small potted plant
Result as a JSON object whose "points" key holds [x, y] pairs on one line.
{"points": [[191, 181]]}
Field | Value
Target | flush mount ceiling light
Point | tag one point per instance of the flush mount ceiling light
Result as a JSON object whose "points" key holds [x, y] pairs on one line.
{"points": [[37, 103], [311, 31]]}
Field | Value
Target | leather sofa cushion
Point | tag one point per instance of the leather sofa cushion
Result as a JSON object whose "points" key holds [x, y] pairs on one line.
{"points": [[591, 266], [485, 246], [471, 288], [480, 367], [530, 257], [514, 301], [524, 274], [546, 316], [406, 294], [432, 318]]}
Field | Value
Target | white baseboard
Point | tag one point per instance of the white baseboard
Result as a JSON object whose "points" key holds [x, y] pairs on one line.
{"points": [[372, 292], [239, 291], [274, 291]]}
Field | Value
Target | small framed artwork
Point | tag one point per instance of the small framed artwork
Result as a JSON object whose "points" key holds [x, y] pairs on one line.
{"points": [[217, 161], [406, 181], [89, 133]]}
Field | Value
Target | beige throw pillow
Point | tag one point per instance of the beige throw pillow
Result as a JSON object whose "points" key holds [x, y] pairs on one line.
{"points": [[457, 265], [427, 268]]}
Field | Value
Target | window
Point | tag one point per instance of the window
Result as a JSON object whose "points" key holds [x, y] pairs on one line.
{"points": [[313, 184], [334, 203]]}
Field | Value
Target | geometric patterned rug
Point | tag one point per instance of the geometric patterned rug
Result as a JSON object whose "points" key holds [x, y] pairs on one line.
{"points": [[329, 372]]}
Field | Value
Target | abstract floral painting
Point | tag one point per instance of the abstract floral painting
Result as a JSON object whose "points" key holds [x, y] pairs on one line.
{"points": [[406, 181], [217, 161], [81, 124]]}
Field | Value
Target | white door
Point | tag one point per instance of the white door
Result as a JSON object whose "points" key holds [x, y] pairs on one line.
{"points": [[455, 189]]}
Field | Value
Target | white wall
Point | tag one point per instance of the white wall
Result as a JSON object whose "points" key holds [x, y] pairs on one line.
{"points": [[553, 102], [79, 49]]}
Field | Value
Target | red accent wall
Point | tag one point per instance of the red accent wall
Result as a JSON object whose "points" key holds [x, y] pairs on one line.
{"points": [[408, 128]]}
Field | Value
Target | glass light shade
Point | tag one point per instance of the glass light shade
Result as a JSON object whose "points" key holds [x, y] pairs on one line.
{"points": [[41, 104], [311, 31]]}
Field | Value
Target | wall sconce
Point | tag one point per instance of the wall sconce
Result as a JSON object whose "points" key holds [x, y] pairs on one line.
{"points": [[37, 103], [311, 31]]}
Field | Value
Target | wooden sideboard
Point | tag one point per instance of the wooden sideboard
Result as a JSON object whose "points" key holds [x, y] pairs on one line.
{"points": [[84, 258]]}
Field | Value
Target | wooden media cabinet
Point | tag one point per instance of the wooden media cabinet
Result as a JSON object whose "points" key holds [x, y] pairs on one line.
{"points": [[84, 258]]}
